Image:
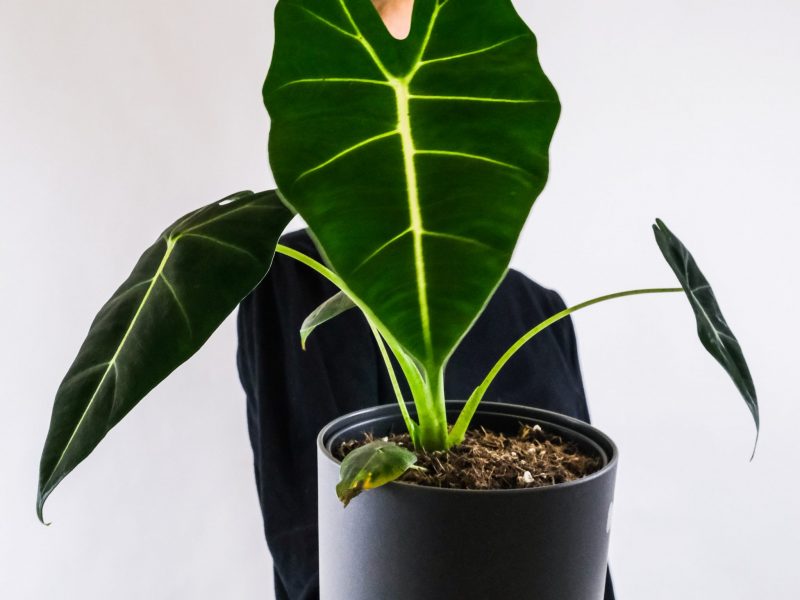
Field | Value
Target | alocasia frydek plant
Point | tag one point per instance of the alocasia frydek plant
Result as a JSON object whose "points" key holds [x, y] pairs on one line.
{"points": [[415, 163]]}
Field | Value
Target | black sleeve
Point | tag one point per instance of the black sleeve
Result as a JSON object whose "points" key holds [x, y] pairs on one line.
{"points": [[292, 394]]}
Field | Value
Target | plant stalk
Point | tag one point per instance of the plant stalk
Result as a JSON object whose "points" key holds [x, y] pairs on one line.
{"points": [[418, 386], [432, 415], [410, 424], [459, 430]]}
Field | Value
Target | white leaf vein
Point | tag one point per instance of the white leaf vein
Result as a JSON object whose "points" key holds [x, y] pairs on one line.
{"points": [[224, 244], [477, 99], [500, 44], [325, 21], [177, 299], [326, 80], [470, 156], [345, 152]]}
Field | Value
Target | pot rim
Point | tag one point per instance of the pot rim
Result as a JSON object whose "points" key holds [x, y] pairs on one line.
{"points": [[579, 427]]}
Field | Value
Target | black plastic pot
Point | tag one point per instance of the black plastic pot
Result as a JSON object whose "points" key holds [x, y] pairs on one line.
{"points": [[409, 542]]}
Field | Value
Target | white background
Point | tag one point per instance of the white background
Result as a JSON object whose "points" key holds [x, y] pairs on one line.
{"points": [[117, 117]]}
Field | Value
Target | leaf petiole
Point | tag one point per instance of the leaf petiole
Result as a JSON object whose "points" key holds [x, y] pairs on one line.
{"points": [[411, 372], [410, 424], [459, 430]]}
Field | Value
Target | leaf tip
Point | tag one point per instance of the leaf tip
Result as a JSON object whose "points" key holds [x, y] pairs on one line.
{"points": [[661, 231], [346, 494], [40, 500], [757, 419]]}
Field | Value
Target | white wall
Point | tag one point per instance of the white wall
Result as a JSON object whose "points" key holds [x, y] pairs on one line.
{"points": [[116, 117], [685, 110]]}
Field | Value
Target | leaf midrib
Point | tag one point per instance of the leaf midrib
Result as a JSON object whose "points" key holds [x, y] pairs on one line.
{"points": [[402, 99], [415, 211], [696, 301], [112, 363]]}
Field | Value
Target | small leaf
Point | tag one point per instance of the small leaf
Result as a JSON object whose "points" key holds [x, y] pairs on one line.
{"points": [[332, 307], [180, 291], [370, 466], [714, 332]]}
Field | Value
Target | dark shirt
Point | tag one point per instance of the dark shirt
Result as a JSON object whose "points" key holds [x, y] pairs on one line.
{"points": [[292, 394]]}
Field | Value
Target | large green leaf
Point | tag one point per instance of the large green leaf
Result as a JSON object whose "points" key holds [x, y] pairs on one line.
{"points": [[414, 162], [712, 328], [179, 292]]}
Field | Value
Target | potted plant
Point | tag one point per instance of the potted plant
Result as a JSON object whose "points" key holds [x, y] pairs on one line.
{"points": [[415, 163]]}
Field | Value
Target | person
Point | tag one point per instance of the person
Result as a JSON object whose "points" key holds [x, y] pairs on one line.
{"points": [[292, 394], [396, 14]]}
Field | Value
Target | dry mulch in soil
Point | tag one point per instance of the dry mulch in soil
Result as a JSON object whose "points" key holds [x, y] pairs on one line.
{"points": [[493, 461]]}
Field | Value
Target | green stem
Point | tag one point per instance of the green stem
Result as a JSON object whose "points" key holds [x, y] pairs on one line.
{"points": [[313, 264], [410, 370], [433, 416], [413, 376], [458, 431], [410, 424]]}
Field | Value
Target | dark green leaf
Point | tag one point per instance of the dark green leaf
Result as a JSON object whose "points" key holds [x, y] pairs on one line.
{"points": [[179, 292], [326, 311], [370, 466], [714, 332], [414, 162]]}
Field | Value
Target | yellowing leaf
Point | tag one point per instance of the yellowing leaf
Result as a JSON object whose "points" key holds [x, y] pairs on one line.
{"points": [[370, 466]]}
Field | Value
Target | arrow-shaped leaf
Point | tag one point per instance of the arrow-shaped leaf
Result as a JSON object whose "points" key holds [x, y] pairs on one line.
{"points": [[179, 292], [332, 307], [714, 332], [415, 162], [370, 466]]}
